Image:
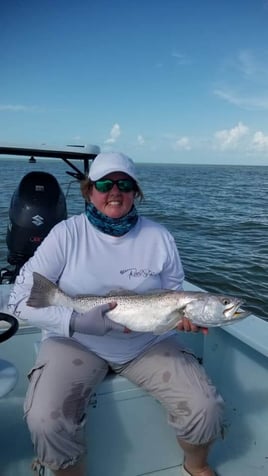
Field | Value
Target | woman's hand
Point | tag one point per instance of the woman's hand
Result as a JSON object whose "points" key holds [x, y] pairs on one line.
{"points": [[187, 326]]}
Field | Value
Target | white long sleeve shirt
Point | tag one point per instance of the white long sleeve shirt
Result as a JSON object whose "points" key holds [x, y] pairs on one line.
{"points": [[83, 260]]}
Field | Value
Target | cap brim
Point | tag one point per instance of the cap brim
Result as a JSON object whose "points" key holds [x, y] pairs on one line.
{"points": [[108, 171]]}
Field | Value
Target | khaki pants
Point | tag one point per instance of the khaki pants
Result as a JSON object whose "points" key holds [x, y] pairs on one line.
{"points": [[66, 374]]}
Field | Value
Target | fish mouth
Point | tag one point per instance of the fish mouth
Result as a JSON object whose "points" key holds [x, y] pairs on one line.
{"points": [[236, 312], [241, 313]]}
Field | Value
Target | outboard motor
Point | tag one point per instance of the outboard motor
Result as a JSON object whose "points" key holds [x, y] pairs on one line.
{"points": [[36, 206]]}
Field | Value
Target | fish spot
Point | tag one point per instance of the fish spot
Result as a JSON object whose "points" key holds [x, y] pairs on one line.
{"points": [[55, 415], [166, 376], [77, 362]]}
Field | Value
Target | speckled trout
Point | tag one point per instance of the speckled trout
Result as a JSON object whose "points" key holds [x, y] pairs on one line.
{"points": [[154, 312]]}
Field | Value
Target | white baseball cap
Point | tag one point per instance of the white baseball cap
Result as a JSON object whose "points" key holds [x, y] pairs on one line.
{"points": [[107, 162]]}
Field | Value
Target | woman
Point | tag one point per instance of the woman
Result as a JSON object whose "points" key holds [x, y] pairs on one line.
{"points": [[109, 246]]}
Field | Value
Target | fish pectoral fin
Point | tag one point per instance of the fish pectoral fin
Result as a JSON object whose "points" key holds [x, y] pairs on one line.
{"points": [[171, 322]]}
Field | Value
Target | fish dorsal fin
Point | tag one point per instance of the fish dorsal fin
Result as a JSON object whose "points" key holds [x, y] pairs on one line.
{"points": [[113, 293], [128, 292], [121, 292], [83, 296], [158, 291]]}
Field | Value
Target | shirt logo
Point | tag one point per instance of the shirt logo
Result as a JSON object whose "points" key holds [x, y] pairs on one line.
{"points": [[137, 273]]}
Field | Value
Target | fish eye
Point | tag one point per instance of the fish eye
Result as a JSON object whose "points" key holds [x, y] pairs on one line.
{"points": [[225, 301]]}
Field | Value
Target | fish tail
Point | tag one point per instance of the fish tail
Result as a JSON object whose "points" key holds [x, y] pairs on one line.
{"points": [[43, 292]]}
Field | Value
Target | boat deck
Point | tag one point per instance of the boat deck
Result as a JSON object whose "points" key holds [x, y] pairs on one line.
{"points": [[128, 434], [127, 431]]}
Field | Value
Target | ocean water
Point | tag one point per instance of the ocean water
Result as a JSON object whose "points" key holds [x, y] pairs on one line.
{"points": [[217, 214]]}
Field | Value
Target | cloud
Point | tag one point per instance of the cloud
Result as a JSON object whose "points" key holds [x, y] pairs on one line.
{"points": [[243, 80], [260, 141], [114, 134], [253, 65], [182, 144], [245, 102], [180, 58], [140, 139], [231, 138], [16, 107], [247, 63]]}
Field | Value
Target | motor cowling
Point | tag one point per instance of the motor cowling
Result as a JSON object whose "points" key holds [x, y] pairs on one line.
{"points": [[36, 206]]}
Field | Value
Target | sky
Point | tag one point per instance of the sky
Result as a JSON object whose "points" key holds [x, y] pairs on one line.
{"points": [[160, 80]]}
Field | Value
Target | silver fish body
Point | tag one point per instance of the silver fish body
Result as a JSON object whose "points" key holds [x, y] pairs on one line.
{"points": [[154, 312]]}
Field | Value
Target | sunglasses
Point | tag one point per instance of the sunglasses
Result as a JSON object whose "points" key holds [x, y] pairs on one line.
{"points": [[124, 185]]}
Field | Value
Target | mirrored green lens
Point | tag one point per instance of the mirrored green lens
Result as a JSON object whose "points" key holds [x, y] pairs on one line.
{"points": [[124, 185], [103, 185]]}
